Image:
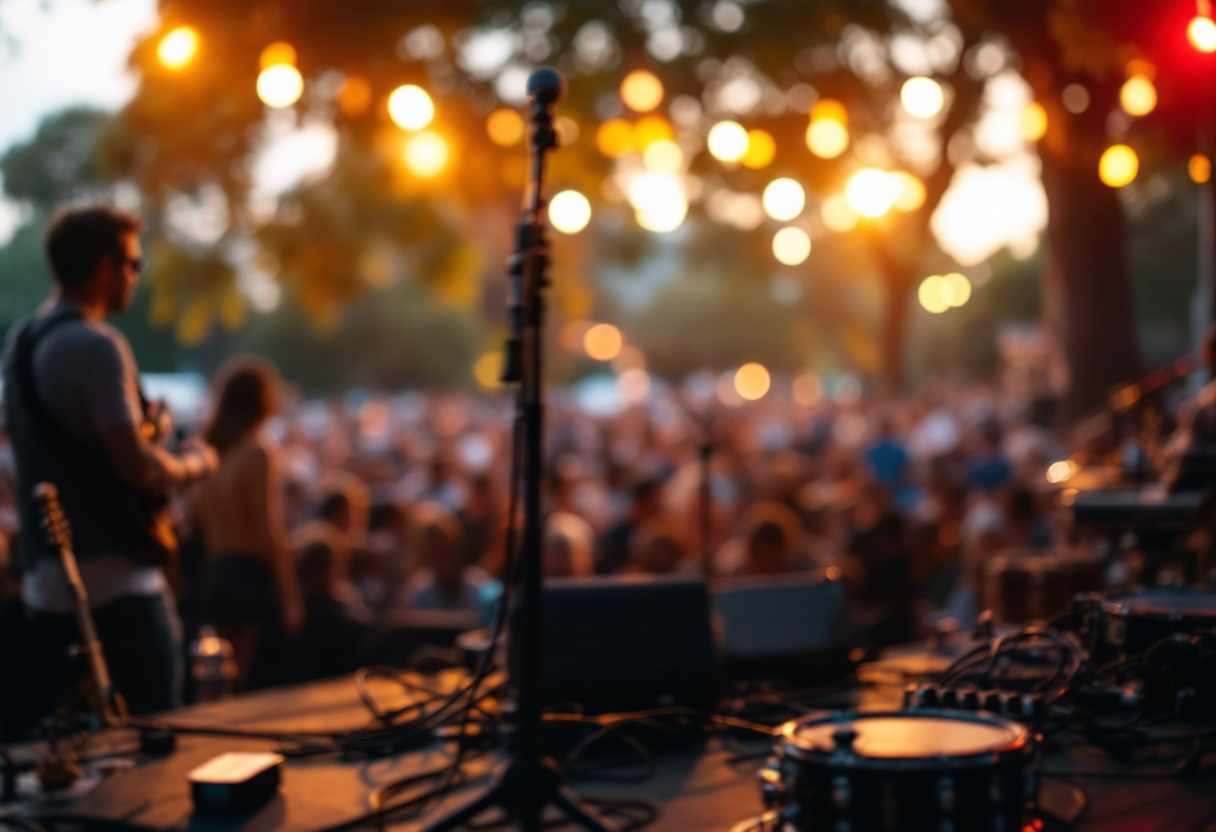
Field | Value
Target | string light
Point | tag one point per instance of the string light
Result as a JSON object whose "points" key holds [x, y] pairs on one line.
{"points": [[426, 154], [1033, 121], [761, 149], [602, 342], [911, 192], [931, 296], [838, 215], [663, 156], [872, 192], [1138, 96], [354, 96], [1118, 166], [280, 85], [614, 138], [487, 370], [784, 199], [922, 97], [649, 130], [276, 54], [829, 109], [955, 289], [827, 138], [641, 91], [178, 48], [752, 381], [1202, 33], [1200, 168], [410, 107], [727, 141], [569, 211], [505, 127], [791, 246]]}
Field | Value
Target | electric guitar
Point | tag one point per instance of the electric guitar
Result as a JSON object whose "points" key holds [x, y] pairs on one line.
{"points": [[109, 703]]}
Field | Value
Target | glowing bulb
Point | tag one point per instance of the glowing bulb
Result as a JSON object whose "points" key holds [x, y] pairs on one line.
{"points": [[761, 148], [354, 96], [1138, 96], [602, 342], [931, 294], [922, 97], [569, 212], [791, 246], [807, 390], [614, 138], [505, 127], [752, 381], [641, 91], [872, 192], [826, 138], [728, 141], [784, 199], [410, 107], [276, 54], [955, 289], [911, 192], [1033, 121], [1200, 168], [1060, 471], [828, 109], [426, 154], [663, 156], [1202, 34], [651, 129], [838, 215], [1118, 166], [658, 201], [178, 48], [488, 370], [280, 85]]}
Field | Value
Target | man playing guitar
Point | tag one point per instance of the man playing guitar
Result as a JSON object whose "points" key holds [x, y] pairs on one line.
{"points": [[79, 421]]}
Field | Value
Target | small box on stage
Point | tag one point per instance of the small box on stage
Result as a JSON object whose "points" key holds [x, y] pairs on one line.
{"points": [[234, 783], [628, 642]]}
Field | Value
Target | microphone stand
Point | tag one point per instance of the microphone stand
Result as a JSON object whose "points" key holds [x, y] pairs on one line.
{"points": [[530, 781]]}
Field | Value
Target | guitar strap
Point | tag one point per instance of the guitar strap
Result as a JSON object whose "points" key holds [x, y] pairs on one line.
{"points": [[112, 502]]}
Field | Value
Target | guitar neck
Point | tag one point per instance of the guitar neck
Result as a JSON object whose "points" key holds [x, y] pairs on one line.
{"points": [[90, 643]]}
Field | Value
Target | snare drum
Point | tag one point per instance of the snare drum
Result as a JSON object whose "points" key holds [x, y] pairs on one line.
{"points": [[903, 771], [1025, 585], [1134, 621]]}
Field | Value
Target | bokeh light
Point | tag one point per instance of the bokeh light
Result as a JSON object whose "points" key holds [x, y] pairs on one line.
{"points": [[1075, 98], [505, 127], [178, 48], [872, 192], [1060, 471], [784, 199], [838, 215], [276, 54], [955, 289], [807, 390], [651, 129], [659, 202], [632, 386], [354, 96], [1118, 166], [1201, 32], [487, 370], [641, 91], [602, 342], [791, 246], [761, 149], [410, 107], [1033, 121], [829, 109], [827, 139], [727, 141], [614, 138], [280, 85], [752, 381], [1138, 96], [426, 154], [569, 211], [911, 191], [663, 156], [931, 294], [1199, 167], [922, 97]]}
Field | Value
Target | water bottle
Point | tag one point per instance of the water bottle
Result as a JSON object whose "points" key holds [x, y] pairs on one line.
{"points": [[212, 666]]}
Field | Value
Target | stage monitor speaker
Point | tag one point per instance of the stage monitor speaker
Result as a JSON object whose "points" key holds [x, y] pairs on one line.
{"points": [[627, 643], [790, 626]]}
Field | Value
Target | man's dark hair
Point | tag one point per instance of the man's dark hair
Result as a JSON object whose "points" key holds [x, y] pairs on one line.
{"points": [[332, 504], [80, 237]]}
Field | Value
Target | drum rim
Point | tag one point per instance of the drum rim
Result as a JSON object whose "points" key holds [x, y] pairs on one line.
{"points": [[1019, 745], [1119, 603]]}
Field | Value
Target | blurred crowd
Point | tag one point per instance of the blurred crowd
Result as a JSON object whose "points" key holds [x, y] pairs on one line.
{"points": [[327, 515]]}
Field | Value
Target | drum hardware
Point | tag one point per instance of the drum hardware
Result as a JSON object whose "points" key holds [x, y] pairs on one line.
{"points": [[1124, 624], [911, 771], [1027, 708]]}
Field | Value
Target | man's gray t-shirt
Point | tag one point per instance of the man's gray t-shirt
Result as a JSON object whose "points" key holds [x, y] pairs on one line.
{"points": [[87, 380]]}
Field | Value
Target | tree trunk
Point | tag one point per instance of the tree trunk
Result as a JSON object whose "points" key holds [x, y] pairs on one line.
{"points": [[1086, 273]]}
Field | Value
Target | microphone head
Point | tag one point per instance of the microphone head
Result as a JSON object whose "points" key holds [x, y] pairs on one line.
{"points": [[546, 86]]}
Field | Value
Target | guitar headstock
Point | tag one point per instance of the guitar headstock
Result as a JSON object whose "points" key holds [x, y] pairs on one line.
{"points": [[58, 532]]}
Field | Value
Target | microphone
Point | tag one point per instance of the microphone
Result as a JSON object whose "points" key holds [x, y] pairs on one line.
{"points": [[546, 86]]}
